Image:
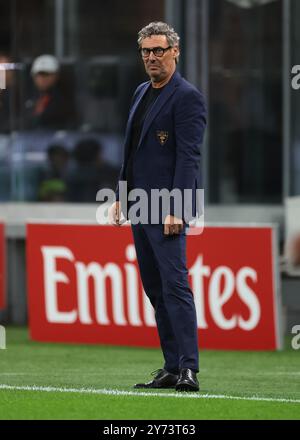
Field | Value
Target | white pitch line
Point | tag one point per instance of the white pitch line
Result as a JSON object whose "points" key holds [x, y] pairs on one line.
{"points": [[269, 373], [143, 394]]}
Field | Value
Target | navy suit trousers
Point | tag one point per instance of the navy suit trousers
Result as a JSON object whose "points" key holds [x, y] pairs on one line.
{"points": [[162, 264]]}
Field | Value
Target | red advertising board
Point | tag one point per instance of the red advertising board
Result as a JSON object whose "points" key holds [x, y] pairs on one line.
{"points": [[2, 268], [84, 287]]}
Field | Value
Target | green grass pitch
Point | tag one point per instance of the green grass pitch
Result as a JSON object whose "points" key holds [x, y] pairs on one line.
{"points": [[260, 379]]}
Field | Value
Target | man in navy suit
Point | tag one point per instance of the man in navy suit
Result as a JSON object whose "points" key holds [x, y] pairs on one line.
{"points": [[162, 150]]}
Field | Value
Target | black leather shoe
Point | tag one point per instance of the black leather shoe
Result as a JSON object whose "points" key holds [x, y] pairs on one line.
{"points": [[163, 379], [187, 381]]}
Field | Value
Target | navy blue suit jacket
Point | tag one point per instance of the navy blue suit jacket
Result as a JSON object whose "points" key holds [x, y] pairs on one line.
{"points": [[169, 150]]}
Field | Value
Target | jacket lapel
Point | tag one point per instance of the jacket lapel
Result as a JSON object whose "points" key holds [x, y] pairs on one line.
{"points": [[130, 119], [167, 92]]}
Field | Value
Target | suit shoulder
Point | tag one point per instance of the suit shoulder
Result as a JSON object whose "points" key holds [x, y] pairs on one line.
{"points": [[190, 98], [189, 90]]}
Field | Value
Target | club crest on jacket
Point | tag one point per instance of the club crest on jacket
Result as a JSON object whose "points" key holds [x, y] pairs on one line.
{"points": [[162, 136]]}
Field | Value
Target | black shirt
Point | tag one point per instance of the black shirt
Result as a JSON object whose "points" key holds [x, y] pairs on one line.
{"points": [[137, 126]]}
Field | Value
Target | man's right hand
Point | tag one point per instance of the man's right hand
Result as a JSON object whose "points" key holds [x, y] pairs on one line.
{"points": [[114, 214]]}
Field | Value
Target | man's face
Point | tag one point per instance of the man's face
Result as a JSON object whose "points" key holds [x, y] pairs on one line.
{"points": [[44, 81], [159, 68]]}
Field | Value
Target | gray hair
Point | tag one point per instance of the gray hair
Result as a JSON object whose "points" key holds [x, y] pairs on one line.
{"points": [[159, 28]]}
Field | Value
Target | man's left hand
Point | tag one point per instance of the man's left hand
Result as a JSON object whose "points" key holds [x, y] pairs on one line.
{"points": [[172, 225]]}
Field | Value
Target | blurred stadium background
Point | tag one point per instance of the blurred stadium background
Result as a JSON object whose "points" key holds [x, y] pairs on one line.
{"points": [[240, 53]]}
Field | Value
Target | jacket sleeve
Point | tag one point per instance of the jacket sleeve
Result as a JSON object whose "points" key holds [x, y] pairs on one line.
{"points": [[190, 118]]}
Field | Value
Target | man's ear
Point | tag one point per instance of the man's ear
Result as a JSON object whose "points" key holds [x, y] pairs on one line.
{"points": [[176, 53]]}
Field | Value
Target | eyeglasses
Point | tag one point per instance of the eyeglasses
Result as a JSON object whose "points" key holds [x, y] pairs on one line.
{"points": [[157, 51]]}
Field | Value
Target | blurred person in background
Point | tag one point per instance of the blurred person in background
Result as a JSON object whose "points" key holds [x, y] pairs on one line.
{"points": [[51, 105], [58, 162], [53, 176], [9, 102], [90, 172]]}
